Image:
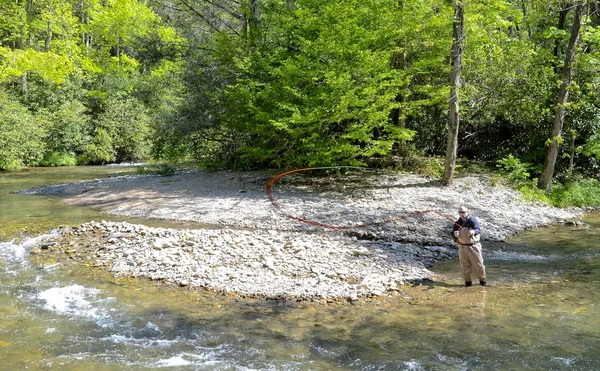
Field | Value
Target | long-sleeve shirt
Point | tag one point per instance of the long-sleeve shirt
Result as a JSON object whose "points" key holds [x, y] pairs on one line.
{"points": [[470, 223]]}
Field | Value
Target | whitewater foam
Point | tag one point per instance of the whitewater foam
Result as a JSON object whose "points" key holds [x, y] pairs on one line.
{"points": [[77, 301]]}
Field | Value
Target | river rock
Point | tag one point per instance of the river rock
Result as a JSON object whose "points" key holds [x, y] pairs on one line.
{"points": [[262, 252]]}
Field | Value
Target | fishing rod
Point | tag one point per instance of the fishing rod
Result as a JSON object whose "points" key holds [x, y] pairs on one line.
{"points": [[273, 180]]}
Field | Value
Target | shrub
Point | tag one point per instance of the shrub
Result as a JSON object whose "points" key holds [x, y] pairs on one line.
{"points": [[162, 169], [67, 129], [585, 192], [129, 127], [21, 135], [530, 192], [100, 150], [59, 159], [428, 166], [515, 170]]}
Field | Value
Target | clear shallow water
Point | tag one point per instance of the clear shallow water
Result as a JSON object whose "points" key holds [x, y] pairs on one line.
{"points": [[542, 312], [39, 214]]}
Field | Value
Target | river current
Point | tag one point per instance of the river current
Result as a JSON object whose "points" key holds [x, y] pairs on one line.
{"points": [[542, 311]]}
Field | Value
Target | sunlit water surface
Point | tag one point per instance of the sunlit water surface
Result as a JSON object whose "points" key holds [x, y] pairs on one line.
{"points": [[541, 312]]}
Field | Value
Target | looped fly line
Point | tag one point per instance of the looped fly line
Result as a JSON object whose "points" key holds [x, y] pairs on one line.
{"points": [[272, 181]]}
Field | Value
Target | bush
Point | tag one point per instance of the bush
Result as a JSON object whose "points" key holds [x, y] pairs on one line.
{"points": [[162, 169], [428, 166], [67, 129], [21, 135], [515, 170], [578, 192], [129, 127], [530, 192], [59, 159], [585, 192], [100, 150]]}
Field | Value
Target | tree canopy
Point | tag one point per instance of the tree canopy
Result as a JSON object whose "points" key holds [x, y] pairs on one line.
{"points": [[286, 83]]}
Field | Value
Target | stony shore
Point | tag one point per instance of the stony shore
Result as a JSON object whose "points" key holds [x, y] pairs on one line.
{"points": [[246, 246]]}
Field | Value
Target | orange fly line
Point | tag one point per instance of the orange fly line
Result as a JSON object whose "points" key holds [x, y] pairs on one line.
{"points": [[272, 181]]}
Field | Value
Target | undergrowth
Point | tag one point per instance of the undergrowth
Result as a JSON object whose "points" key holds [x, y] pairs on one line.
{"points": [[577, 191], [157, 169]]}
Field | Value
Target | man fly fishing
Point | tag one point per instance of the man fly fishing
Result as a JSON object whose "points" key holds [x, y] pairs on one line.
{"points": [[467, 235]]}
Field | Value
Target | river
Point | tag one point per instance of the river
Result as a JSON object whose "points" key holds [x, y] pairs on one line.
{"points": [[542, 311]]}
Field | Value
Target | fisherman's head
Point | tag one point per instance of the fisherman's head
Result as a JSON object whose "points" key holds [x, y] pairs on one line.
{"points": [[463, 212]]}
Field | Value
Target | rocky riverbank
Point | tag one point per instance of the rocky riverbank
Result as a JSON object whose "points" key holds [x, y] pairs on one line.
{"points": [[254, 263], [244, 245]]}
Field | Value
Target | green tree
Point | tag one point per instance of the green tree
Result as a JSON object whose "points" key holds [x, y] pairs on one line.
{"points": [[508, 83], [68, 62], [311, 85], [21, 135], [114, 28], [424, 37], [455, 82], [129, 125], [545, 180], [66, 136]]}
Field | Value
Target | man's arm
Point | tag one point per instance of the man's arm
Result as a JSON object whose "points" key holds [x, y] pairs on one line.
{"points": [[455, 228], [475, 227]]}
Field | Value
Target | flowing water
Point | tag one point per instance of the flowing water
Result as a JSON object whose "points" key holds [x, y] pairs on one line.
{"points": [[542, 311]]}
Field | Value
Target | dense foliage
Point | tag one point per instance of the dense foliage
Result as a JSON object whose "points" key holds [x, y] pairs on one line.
{"points": [[81, 81], [332, 82], [287, 83]]}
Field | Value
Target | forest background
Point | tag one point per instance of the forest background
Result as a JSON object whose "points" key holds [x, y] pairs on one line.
{"points": [[256, 84]]}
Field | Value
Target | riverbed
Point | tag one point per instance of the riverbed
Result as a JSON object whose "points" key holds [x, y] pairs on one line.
{"points": [[540, 313]]}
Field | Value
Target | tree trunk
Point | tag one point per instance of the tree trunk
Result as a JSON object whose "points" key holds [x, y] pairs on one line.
{"points": [[572, 154], [21, 42], [545, 181], [24, 87], [118, 48], [30, 17], [594, 15], [86, 38], [398, 120], [254, 19], [524, 11], [48, 37], [400, 62], [452, 143]]}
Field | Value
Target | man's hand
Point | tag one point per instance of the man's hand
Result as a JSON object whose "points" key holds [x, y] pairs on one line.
{"points": [[456, 234], [471, 232]]}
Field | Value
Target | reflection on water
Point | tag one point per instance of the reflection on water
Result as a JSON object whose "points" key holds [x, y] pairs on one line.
{"points": [[38, 214], [541, 313], [22, 212]]}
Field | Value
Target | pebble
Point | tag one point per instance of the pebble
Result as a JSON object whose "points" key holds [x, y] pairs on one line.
{"points": [[263, 253], [326, 268]]}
